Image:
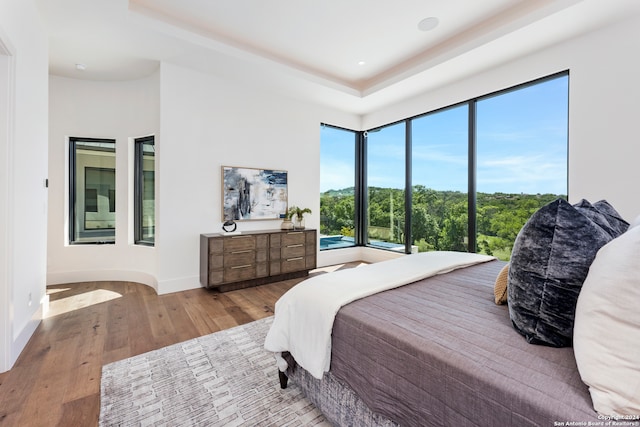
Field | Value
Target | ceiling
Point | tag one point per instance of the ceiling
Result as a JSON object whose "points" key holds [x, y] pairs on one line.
{"points": [[356, 55]]}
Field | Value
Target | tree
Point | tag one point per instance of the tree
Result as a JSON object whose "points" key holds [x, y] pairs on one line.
{"points": [[454, 229], [424, 227], [439, 218]]}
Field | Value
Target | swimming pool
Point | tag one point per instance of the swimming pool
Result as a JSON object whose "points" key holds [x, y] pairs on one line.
{"points": [[334, 242], [339, 241]]}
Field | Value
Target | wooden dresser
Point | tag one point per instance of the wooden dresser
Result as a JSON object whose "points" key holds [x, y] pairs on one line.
{"points": [[255, 257]]}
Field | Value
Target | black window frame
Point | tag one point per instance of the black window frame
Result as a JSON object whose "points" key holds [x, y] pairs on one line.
{"points": [[73, 142], [138, 190], [361, 189], [358, 203]]}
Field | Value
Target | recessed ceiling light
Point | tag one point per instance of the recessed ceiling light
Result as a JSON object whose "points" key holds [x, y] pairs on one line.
{"points": [[81, 67], [361, 63], [428, 24]]}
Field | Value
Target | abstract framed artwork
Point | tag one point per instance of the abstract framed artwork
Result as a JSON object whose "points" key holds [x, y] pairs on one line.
{"points": [[253, 194]]}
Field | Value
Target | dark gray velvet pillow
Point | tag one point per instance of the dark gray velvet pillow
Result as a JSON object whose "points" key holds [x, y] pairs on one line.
{"points": [[549, 262], [595, 215], [618, 224]]}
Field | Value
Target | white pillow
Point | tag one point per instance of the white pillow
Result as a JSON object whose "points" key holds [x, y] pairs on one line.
{"points": [[606, 336], [635, 222]]}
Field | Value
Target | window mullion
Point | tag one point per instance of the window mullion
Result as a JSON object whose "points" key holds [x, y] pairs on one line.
{"points": [[361, 190], [471, 193], [408, 189]]}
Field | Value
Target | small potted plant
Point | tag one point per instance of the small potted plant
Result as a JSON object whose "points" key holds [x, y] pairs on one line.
{"points": [[297, 215]]}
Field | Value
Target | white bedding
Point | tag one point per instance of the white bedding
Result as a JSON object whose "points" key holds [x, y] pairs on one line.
{"points": [[304, 315]]}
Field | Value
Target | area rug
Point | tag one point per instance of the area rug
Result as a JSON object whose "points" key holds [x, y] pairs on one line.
{"points": [[222, 379]]}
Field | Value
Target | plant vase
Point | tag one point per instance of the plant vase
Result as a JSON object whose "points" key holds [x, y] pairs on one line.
{"points": [[297, 215], [287, 224], [298, 223]]}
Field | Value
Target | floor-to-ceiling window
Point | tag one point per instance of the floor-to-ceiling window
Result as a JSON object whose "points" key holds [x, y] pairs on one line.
{"points": [[521, 145], [440, 169], [385, 178], [465, 177], [337, 187]]}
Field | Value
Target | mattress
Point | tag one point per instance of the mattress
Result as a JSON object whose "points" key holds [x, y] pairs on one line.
{"points": [[439, 352]]}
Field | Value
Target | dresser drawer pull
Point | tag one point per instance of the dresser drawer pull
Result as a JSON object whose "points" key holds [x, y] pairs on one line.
{"points": [[241, 252], [240, 237], [295, 259], [295, 232], [241, 266], [295, 246]]}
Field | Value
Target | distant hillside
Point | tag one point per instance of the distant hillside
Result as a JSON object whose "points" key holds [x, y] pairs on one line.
{"points": [[350, 191]]}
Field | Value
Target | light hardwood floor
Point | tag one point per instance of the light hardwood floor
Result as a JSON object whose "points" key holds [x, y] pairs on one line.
{"points": [[56, 380]]}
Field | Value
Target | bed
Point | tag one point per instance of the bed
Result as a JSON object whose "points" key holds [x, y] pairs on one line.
{"points": [[421, 341], [440, 352]]}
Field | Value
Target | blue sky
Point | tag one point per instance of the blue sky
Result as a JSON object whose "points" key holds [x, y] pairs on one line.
{"points": [[522, 146]]}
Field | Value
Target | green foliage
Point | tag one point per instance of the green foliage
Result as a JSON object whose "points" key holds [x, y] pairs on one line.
{"points": [[346, 231], [439, 217], [295, 211], [337, 211]]}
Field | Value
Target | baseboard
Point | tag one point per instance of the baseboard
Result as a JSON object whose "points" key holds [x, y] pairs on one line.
{"points": [[61, 278], [178, 285], [339, 256], [22, 339], [367, 254]]}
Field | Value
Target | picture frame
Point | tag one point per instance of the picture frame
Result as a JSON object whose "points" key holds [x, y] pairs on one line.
{"points": [[253, 194]]}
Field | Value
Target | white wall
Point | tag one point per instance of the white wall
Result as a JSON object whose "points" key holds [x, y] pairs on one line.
{"points": [[208, 123], [23, 170], [603, 112], [201, 123], [603, 118], [117, 110]]}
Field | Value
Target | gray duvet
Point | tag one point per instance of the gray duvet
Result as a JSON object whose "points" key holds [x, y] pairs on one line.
{"points": [[439, 352]]}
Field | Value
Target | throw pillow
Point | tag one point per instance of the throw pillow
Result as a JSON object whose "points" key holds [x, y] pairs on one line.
{"points": [[550, 260], [614, 218], [500, 287], [607, 327], [595, 215]]}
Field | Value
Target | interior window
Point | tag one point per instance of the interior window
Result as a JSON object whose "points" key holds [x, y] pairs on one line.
{"points": [[92, 181], [144, 193]]}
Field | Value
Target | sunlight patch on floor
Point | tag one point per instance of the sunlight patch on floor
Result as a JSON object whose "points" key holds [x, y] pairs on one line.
{"points": [[75, 302], [51, 291], [332, 268]]}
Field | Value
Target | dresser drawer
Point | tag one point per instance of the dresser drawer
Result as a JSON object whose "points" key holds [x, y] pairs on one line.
{"points": [[238, 258], [240, 272], [239, 243], [290, 265], [293, 238], [245, 272], [293, 251]]}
